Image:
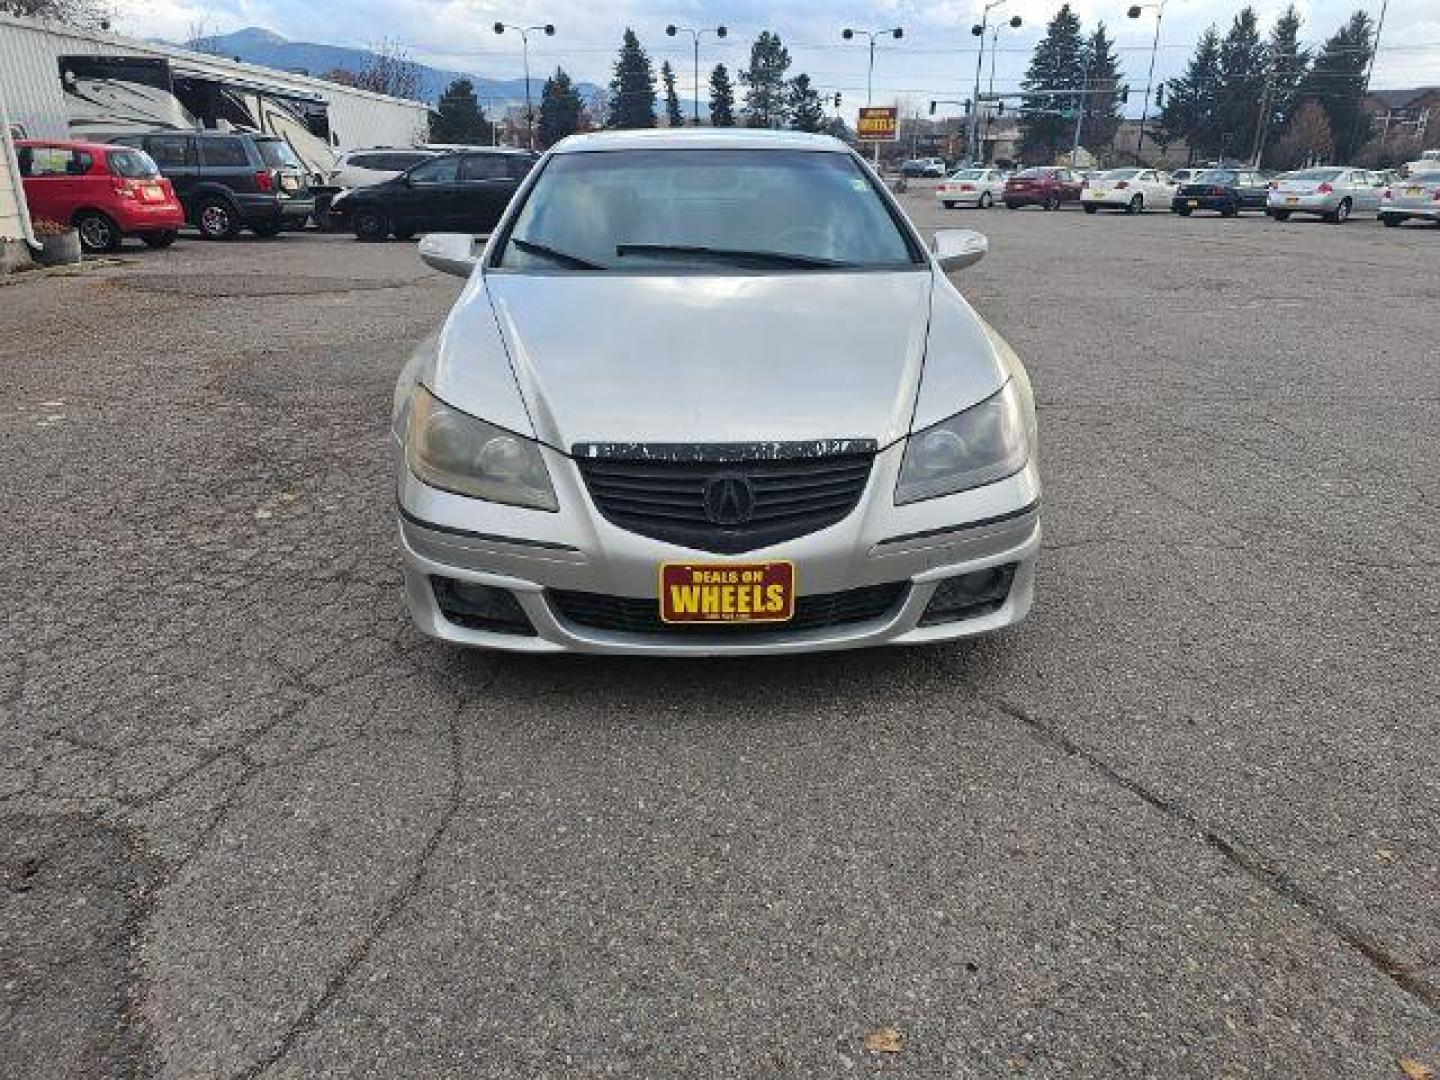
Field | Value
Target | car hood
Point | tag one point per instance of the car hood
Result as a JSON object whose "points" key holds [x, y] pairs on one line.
{"points": [[710, 358]]}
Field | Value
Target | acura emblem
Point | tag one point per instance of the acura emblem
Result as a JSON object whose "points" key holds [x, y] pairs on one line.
{"points": [[729, 499]]}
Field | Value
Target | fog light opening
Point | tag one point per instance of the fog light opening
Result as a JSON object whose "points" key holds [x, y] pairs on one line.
{"points": [[480, 607], [967, 596]]}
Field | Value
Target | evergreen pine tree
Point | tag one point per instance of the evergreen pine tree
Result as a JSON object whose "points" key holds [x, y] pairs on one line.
{"points": [[722, 98], [457, 117], [560, 108], [807, 113], [764, 82], [1244, 69], [673, 116], [1047, 117], [632, 90], [1189, 111], [1336, 81], [1102, 104], [1289, 63]]}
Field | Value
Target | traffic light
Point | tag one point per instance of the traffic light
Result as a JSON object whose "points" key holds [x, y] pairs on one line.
{"points": [[1160, 96], [837, 99], [932, 108], [1000, 109], [1125, 93]]}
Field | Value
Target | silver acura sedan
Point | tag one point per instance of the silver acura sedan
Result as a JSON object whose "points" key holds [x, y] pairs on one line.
{"points": [[708, 393]]}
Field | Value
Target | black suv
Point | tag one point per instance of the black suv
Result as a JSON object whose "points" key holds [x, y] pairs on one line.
{"points": [[228, 182], [461, 192]]}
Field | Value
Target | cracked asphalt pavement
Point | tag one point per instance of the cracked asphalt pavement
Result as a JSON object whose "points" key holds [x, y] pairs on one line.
{"points": [[1181, 823]]}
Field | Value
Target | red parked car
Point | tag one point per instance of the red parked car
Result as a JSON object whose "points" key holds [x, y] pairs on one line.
{"points": [[1048, 186], [106, 192]]}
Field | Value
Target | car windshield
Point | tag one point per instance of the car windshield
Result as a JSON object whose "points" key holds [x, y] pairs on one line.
{"points": [[716, 210], [968, 174], [1117, 174], [1314, 174], [277, 154], [135, 164], [1031, 174], [1216, 176]]}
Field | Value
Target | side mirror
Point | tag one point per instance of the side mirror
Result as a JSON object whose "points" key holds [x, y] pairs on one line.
{"points": [[956, 249], [450, 253]]}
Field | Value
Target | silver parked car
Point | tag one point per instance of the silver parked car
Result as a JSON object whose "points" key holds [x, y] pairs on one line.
{"points": [[707, 392], [1330, 192], [1416, 196]]}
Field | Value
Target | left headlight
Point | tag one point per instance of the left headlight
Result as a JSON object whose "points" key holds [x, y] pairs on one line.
{"points": [[985, 443], [454, 451]]}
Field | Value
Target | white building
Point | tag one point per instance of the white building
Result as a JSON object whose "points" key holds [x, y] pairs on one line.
{"points": [[64, 81]]}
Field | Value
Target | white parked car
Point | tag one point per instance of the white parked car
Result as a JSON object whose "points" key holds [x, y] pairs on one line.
{"points": [[1131, 190], [1417, 196], [977, 186], [361, 168]]}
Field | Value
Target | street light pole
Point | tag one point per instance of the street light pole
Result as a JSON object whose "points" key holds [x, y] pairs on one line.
{"points": [[1134, 13], [895, 32], [719, 32], [978, 30], [524, 32]]}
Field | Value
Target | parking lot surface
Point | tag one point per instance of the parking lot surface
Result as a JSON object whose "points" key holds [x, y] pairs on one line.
{"points": [[1181, 823]]}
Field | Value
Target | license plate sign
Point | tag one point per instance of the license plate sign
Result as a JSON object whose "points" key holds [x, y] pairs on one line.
{"points": [[289, 183], [1193, 202], [1413, 191], [1291, 200], [1099, 192], [711, 593]]}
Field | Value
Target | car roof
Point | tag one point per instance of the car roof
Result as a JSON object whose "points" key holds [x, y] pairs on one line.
{"points": [[71, 144], [701, 138]]}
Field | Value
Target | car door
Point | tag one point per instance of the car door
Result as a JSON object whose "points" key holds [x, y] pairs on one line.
{"points": [[1254, 189], [51, 185], [428, 196], [175, 155], [486, 185], [1367, 186], [226, 160]]}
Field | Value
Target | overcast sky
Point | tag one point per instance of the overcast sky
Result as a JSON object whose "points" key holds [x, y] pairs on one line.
{"points": [[935, 59]]}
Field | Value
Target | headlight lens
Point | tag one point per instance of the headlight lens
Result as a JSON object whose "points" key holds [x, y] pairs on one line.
{"points": [[985, 443], [454, 451]]}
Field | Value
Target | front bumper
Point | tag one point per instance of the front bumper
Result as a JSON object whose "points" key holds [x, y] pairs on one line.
{"points": [[530, 554]]}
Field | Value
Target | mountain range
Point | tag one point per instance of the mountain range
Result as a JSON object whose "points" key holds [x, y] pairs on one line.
{"points": [[256, 45]]}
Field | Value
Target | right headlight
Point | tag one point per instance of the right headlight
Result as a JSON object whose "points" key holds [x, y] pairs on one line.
{"points": [[454, 451], [985, 443]]}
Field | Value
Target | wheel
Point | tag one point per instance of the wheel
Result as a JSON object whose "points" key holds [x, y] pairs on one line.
{"points": [[1090, 208], [1230, 211], [1391, 220], [1052, 202], [1011, 205], [216, 220], [1342, 212], [986, 201], [1136, 205], [1280, 215], [159, 240], [1183, 211], [404, 234], [370, 225], [97, 232], [949, 204]]}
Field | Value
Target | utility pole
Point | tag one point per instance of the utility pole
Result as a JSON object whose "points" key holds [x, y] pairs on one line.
{"points": [[1369, 70], [895, 32], [1134, 13], [524, 32], [978, 30], [1262, 122]]}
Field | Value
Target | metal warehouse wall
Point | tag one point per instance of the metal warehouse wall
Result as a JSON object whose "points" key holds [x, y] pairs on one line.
{"points": [[30, 51]]}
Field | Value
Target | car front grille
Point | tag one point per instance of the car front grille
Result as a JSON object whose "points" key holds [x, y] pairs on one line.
{"points": [[663, 492], [641, 615]]}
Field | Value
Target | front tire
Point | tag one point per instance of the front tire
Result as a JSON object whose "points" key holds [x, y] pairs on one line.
{"points": [[1391, 220], [1280, 215], [1052, 202], [1136, 205], [217, 220], [986, 201], [1090, 208], [1183, 211], [1341, 214], [949, 204], [267, 231], [371, 226], [1011, 205], [158, 240], [98, 233]]}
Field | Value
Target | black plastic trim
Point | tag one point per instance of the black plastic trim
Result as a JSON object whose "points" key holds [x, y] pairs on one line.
{"points": [[547, 545], [996, 520]]}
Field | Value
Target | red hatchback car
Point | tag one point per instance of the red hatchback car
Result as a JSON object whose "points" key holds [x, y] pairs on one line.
{"points": [[1047, 186], [106, 192]]}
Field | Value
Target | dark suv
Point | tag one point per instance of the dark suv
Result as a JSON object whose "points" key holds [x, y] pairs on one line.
{"points": [[231, 181], [462, 192]]}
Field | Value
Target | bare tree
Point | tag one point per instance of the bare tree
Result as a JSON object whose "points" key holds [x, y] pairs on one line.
{"points": [[87, 13], [201, 37], [389, 70]]}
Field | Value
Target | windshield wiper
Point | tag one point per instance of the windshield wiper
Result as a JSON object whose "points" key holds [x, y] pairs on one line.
{"points": [[575, 261], [780, 258]]}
